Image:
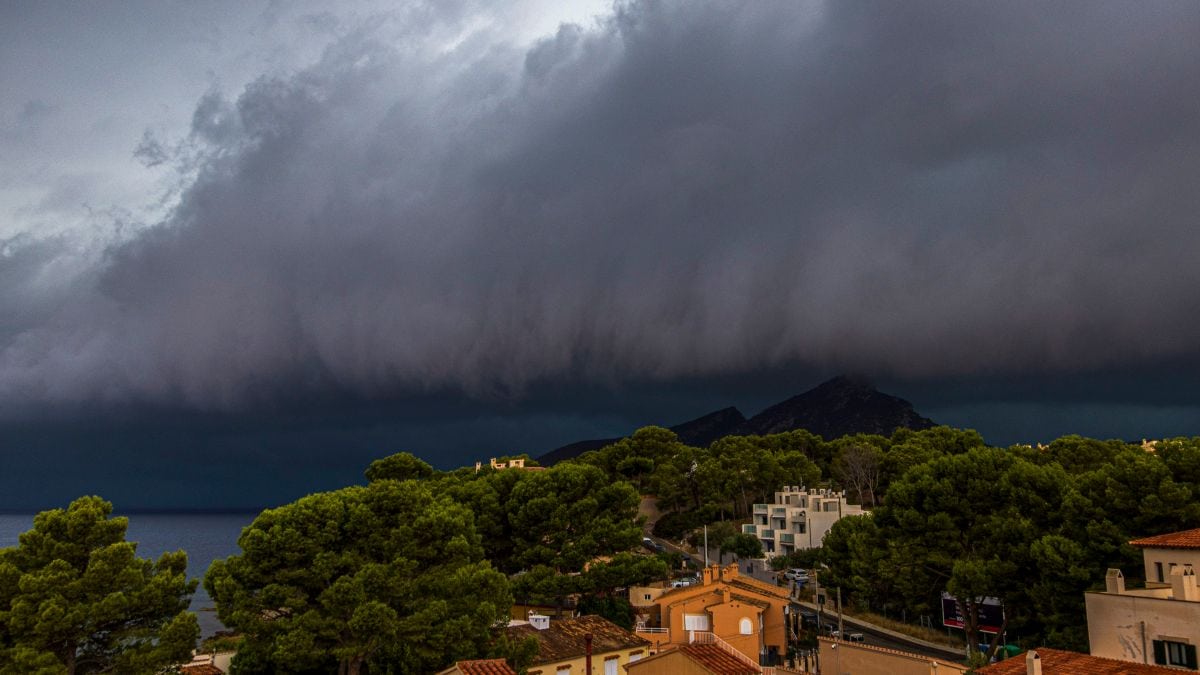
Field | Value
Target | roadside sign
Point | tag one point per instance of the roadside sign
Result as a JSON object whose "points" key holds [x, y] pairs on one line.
{"points": [[990, 614]]}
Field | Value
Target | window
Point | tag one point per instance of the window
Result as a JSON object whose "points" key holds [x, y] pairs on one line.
{"points": [[635, 656], [563, 670], [746, 626], [1168, 653], [647, 596], [1158, 570], [695, 622], [800, 527], [610, 666]]}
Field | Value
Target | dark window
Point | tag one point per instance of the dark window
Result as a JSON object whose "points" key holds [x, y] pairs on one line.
{"points": [[1158, 571], [1168, 653]]}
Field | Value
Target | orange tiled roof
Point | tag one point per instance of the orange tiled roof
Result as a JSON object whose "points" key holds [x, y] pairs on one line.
{"points": [[201, 669], [718, 660], [1184, 539], [485, 667], [1057, 662], [564, 639]]}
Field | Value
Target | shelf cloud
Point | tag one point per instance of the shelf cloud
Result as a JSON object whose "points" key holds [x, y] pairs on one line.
{"points": [[678, 189]]}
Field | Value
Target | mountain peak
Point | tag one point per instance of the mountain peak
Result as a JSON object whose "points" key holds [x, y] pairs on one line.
{"points": [[844, 405]]}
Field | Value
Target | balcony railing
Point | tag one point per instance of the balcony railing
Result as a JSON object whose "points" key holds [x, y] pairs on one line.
{"points": [[706, 638], [779, 511], [761, 508], [766, 534], [787, 538], [749, 529]]}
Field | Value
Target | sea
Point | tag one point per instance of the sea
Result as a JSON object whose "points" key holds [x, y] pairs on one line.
{"points": [[204, 536]]}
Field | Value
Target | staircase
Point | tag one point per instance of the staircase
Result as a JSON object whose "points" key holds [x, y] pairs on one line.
{"points": [[703, 637]]}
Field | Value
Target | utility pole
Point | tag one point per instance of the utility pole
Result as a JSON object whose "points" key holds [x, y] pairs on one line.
{"points": [[841, 628], [817, 597]]}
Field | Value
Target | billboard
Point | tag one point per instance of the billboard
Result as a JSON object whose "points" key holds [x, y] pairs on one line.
{"points": [[990, 614]]}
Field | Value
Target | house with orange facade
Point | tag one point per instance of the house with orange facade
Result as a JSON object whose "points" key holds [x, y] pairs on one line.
{"points": [[745, 613]]}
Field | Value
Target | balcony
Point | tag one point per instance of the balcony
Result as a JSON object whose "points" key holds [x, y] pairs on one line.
{"points": [[766, 534], [761, 508], [749, 529], [779, 511], [787, 538]]}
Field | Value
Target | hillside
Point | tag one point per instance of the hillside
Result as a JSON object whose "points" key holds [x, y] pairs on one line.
{"points": [[835, 408]]}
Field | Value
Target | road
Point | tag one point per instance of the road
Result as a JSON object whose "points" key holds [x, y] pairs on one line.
{"points": [[760, 571]]}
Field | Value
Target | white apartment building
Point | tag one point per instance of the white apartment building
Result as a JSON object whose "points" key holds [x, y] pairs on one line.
{"points": [[1158, 624], [798, 519]]}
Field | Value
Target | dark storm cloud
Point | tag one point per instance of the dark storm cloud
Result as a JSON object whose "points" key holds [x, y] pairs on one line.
{"points": [[920, 189]]}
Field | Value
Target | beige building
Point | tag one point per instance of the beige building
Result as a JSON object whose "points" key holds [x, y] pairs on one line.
{"points": [[1158, 624], [514, 463], [799, 518], [838, 657], [563, 645], [742, 612]]}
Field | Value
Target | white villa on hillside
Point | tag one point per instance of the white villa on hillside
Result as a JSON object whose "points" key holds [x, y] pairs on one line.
{"points": [[798, 519]]}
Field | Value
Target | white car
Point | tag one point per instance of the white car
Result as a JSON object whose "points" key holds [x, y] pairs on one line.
{"points": [[796, 574]]}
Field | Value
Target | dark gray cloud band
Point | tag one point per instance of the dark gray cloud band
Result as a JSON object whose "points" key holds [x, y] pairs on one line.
{"points": [[914, 189]]}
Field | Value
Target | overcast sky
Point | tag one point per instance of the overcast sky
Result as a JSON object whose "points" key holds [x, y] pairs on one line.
{"points": [[250, 246]]}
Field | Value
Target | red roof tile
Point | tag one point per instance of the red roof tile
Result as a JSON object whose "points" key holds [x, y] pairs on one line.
{"points": [[201, 669], [718, 660], [1184, 539], [485, 667], [565, 639], [1057, 662]]}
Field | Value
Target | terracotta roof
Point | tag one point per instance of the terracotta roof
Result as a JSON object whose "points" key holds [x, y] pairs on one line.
{"points": [[718, 660], [201, 669], [564, 639], [1184, 539], [1057, 662], [485, 667], [760, 586]]}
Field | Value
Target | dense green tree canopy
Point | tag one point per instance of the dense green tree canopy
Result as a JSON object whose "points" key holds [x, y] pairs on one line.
{"points": [[400, 466], [386, 574], [74, 598], [1033, 526]]}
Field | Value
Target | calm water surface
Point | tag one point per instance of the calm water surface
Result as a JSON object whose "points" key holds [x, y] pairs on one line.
{"points": [[205, 537]]}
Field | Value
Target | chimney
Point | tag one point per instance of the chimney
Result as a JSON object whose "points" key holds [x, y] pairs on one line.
{"points": [[1183, 584], [539, 621], [587, 666], [1033, 663], [1114, 581], [725, 595], [730, 572]]}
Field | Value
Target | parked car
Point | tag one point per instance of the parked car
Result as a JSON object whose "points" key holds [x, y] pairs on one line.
{"points": [[796, 574], [684, 582], [648, 543]]}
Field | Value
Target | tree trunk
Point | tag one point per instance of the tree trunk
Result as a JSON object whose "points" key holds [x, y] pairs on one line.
{"points": [[970, 625], [991, 652], [354, 667], [69, 658]]}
